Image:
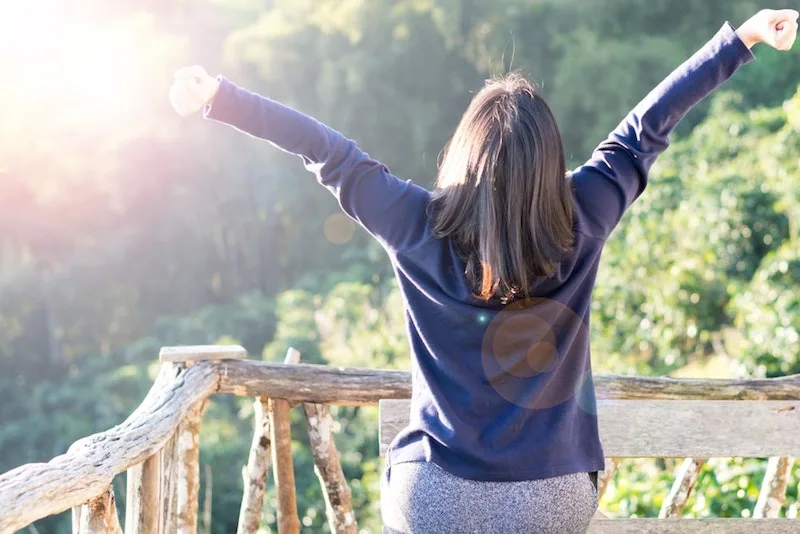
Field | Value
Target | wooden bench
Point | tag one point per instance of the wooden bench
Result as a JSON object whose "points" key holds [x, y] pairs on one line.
{"points": [[676, 429]]}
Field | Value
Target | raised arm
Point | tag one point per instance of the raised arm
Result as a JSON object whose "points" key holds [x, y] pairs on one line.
{"points": [[617, 172], [390, 209]]}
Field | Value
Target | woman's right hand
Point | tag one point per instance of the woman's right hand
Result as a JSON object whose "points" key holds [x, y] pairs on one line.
{"points": [[192, 89], [777, 28]]}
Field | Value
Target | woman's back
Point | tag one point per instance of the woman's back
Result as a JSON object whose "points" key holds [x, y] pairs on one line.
{"points": [[501, 391]]}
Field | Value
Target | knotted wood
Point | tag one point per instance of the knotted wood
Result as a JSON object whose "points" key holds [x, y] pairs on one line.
{"points": [[189, 470], [355, 386], [33, 491], [254, 474], [98, 516]]}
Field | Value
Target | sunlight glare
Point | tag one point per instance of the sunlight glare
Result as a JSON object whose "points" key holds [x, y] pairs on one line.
{"points": [[63, 61]]}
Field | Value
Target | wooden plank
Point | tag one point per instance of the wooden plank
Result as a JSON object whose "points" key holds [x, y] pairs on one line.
{"points": [[328, 466], [254, 474], [189, 470], [672, 429], [33, 491], [393, 416], [143, 503], [772, 496], [196, 353], [356, 386], [693, 526]]}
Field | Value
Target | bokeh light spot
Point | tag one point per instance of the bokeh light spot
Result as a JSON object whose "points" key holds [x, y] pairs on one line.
{"points": [[338, 228]]}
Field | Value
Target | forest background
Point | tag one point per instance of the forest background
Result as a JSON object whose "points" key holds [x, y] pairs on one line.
{"points": [[124, 228]]}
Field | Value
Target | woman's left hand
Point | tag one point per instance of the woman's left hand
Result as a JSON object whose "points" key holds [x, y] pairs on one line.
{"points": [[192, 90], [777, 28]]}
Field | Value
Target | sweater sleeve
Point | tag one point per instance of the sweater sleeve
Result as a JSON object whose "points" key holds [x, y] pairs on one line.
{"points": [[616, 174], [390, 209]]}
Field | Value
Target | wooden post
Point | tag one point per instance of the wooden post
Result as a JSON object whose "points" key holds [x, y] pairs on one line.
{"points": [[143, 505], [327, 465], [189, 471], [604, 477], [99, 516], [181, 482], [772, 496], [685, 479], [255, 473], [76, 520], [282, 464], [207, 499], [168, 519]]}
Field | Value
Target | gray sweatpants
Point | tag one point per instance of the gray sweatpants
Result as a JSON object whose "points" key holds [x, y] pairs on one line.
{"points": [[422, 498]]}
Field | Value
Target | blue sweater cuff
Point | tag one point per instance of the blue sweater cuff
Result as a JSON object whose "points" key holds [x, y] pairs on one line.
{"points": [[731, 38], [216, 109]]}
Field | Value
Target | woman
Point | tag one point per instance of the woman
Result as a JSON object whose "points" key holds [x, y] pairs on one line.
{"points": [[497, 267]]}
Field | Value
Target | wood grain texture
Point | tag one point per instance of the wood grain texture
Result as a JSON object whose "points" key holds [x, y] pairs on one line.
{"points": [[142, 507], [319, 384], [665, 388], [196, 353], [168, 520], [282, 460], [693, 526], [673, 429], [685, 479], [99, 516], [33, 491], [189, 470], [255, 473], [283, 466], [328, 466], [357, 386], [772, 496]]}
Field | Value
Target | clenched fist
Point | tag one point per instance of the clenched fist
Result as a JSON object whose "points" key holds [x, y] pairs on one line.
{"points": [[192, 89], [778, 28]]}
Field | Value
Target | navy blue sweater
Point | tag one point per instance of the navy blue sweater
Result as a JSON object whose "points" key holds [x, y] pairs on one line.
{"points": [[499, 392]]}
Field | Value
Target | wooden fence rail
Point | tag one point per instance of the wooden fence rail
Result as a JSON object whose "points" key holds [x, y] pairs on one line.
{"points": [[158, 443]]}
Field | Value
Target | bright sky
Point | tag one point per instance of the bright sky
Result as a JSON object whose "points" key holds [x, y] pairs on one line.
{"points": [[53, 57]]}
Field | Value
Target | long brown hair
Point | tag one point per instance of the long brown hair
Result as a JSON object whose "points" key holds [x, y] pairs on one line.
{"points": [[502, 193]]}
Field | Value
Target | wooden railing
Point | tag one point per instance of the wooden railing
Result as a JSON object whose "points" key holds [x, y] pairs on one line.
{"points": [[157, 445]]}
